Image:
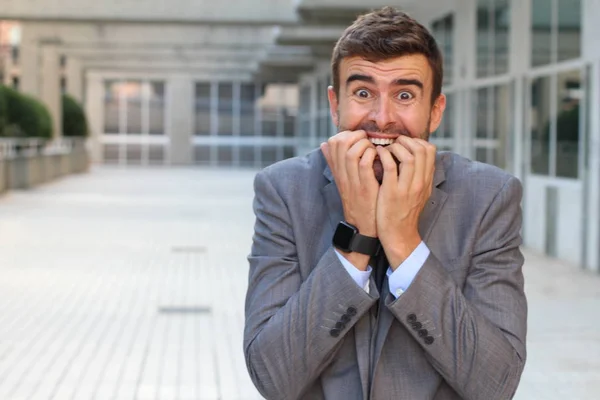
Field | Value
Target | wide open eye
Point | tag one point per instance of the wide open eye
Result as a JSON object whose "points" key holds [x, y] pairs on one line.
{"points": [[363, 93], [405, 96]]}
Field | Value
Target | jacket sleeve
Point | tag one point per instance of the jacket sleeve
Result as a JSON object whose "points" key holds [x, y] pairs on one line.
{"points": [[475, 336], [294, 323]]}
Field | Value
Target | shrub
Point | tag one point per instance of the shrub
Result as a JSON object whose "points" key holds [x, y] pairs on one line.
{"points": [[26, 116], [74, 121]]}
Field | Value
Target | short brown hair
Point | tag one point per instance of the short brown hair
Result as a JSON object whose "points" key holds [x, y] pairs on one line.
{"points": [[383, 34]]}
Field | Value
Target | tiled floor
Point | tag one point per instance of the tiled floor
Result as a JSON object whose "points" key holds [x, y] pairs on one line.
{"points": [[129, 284]]}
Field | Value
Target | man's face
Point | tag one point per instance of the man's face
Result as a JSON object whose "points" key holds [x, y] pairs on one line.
{"points": [[386, 99]]}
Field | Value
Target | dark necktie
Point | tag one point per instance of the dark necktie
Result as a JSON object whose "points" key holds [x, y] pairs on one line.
{"points": [[381, 266]]}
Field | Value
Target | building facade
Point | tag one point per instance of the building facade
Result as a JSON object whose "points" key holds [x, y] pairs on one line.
{"points": [[190, 83]]}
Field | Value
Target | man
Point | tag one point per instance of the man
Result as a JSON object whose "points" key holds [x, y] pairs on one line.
{"points": [[377, 203]]}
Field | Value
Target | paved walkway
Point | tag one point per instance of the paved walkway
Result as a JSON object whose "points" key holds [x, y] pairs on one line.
{"points": [[129, 284]]}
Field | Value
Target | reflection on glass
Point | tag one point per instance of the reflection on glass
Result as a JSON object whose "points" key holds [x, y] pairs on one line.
{"points": [[443, 30], [484, 38], [541, 26], [156, 113], [132, 93], [247, 109], [225, 108], [202, 109], [483, 113], [569, 29], [111, 107], [501, 16], [501, 107], [540, 125], [570, 95]]}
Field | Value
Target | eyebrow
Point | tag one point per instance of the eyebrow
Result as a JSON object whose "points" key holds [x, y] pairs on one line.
{"points": [[397, 82]]}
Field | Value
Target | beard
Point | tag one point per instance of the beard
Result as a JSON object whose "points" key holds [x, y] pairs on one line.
{"points": [[391, 130]]}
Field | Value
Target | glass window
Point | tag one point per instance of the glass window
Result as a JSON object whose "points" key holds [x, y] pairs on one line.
{"points": [[541, 28], [156, 113], [202, 155], [268, 155], [448, 121], [247, 156], [556, 31], [202, 117], [493, 28], [225, 108], [540, 125], [225, 156], [132, 93], [111, 107], [501, 16], [569, 29], [569, 98], [443, 31], [247, 109], [483, 111]]}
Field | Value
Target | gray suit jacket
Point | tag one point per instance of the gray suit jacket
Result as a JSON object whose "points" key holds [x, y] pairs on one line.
{"points": [[458, 332]]}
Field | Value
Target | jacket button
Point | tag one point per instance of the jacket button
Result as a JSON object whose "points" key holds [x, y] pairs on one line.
{"points": [[351, 311], [429, 340], [342, 326], [417, 325], [334, 332], [345, 318], [423, 332], [412, 318]]}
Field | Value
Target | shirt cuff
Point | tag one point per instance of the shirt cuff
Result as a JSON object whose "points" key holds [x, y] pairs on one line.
{"points": [[360, 277], [400, 280]]}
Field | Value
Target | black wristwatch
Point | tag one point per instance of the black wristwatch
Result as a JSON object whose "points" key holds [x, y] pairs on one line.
{"points": [[347, 239]]}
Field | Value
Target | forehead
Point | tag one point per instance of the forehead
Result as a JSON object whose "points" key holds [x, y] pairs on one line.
{"points": [[414, 66]]}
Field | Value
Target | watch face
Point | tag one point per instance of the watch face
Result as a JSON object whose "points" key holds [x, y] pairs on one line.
{"points": [[343, 236]]}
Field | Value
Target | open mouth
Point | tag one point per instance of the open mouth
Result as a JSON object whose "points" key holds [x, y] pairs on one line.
{"points": [[381, 142]]}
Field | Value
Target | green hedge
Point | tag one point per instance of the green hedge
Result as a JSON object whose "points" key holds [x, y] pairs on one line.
{"points": [[74, 121], [25, 116]]}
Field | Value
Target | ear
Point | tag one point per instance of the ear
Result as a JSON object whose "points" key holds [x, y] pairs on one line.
{"points": [[333, 105], [437, 112]]}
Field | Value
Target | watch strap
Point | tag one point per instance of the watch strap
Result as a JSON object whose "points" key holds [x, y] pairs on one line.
{"points": [[365, 245]]}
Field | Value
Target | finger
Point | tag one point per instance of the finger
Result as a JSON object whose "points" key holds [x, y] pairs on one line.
{"points": [[365, 167], [390, 168], [340, 144], [418, 150], [431, 152], [353, 158], [407, 165], [325, 149]]}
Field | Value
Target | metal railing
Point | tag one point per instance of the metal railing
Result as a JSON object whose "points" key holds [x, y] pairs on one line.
{"points": [[31, 147]]}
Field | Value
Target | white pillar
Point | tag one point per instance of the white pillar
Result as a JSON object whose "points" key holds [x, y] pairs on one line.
{"points": [[94, 109], [465, 24], [50, 87], [29, 60], [180, 117], [591, 53], [74, 74]]}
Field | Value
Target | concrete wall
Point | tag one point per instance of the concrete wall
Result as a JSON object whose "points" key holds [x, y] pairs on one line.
{"points": [[244, 11], [25, 172]]}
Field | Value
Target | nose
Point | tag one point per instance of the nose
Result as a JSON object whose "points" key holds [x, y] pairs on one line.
{"points": [[382, 113]]}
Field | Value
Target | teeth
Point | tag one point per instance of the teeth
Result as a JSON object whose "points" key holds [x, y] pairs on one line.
{"points": [[381, 142]]}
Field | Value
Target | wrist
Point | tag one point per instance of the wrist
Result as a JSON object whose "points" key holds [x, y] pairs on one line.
{"points": [[398, 251], [359, 261]]}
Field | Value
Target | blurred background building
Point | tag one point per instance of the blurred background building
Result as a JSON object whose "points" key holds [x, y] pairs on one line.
{"points": [[243, 84]]}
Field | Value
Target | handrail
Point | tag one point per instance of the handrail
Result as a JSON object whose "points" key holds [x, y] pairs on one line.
{"points": [[31, 147]]}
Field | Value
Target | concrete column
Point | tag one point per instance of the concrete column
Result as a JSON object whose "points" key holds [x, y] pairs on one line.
{"points": [[465, 34], [180, 119], [591, 53], [75, 79], [50, 87], [29, 60], [94, 109]]}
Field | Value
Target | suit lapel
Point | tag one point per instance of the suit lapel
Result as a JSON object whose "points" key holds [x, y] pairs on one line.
{"points": [[333, 200]]}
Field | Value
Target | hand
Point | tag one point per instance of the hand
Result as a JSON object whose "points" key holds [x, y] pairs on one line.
{"points": [[350, 156], [403, 195]]}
